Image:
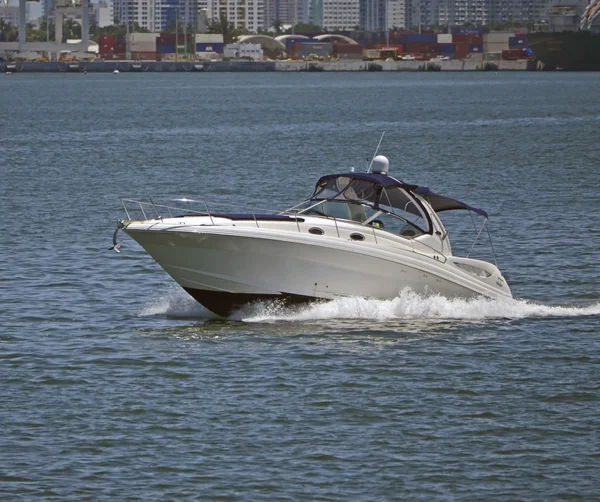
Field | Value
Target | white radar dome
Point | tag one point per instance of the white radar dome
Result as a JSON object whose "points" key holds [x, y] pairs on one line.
{"points": [[380, 165]]}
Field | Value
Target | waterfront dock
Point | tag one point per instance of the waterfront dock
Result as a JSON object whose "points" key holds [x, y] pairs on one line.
{"points": [[100, 66]]}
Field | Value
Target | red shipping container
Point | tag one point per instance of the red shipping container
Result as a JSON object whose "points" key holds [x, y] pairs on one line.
{"points": [[106, 49], [107, 40], [468, 39], [513, 54], [347, 49], [398, 47], [461, 50], [167, 38], [423, 48]]}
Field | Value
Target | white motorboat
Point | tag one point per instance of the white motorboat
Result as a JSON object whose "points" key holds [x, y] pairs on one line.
{"points": [[359, 234]]}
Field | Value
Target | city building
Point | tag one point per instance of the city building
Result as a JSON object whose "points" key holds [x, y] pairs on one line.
{"points": [[10, 15], [102, 14], [243, 14], [434, 13], [283, 11], [372, 15], [395, 14], [334, 15], [48, 7], [155, 15]]}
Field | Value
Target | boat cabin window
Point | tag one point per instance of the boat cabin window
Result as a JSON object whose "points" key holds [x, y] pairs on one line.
{"points": [[362, 200]]}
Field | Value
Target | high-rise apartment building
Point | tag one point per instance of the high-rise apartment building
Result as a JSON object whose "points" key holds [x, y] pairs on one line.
{"points": [[334, 14], [155, 15], [429, 13], [47, 8], [247, 14], [284, 11], [395, 14], [372, 14]]}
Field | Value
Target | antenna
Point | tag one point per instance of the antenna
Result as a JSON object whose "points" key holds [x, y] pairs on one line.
{"points": [[376, 150]]}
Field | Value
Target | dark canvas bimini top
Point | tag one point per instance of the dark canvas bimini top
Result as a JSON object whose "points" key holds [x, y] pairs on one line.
{"points": [[438, 202]]}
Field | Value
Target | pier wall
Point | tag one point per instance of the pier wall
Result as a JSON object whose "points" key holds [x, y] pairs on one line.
{"points": [[258, 66]]}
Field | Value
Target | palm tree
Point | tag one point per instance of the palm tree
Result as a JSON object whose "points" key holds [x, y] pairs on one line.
{"points": [[225, 27], [278, 26], [71, 30]]}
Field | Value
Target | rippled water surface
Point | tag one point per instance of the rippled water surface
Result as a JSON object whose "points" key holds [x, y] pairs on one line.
{"points": [[114, 385]]}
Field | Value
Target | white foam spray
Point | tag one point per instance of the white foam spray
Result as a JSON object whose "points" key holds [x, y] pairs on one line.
{"points": [[407, 305], [175, 302]]}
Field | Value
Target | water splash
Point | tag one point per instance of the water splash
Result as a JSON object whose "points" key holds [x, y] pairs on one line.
{"points": [[175, 302], [408, 305]]}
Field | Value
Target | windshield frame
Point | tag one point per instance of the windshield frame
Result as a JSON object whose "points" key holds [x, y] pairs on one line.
{"points": [[374, 199]]}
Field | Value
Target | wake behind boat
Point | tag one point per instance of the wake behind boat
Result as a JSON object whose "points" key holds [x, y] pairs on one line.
{"points": [[359, 234]]}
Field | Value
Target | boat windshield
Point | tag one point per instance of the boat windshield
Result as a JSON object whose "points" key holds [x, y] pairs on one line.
{"points": [[366, 201]]}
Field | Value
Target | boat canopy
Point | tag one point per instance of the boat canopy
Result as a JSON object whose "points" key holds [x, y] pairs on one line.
{"points": [[379, 189]]}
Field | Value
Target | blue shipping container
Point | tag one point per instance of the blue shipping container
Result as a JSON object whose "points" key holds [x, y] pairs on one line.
{"points": [[476, 48], [315, 52], [467, 31], [292, 41], [207, 47], [447, 49], [517, 42], [166, 49], [429, 38]]}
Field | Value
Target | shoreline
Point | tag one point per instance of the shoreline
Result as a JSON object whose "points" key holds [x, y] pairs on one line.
{"points": [[262, 66]]}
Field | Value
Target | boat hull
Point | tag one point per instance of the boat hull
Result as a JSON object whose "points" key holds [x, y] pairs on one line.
{"points": [[572, 51], [224, 268]]}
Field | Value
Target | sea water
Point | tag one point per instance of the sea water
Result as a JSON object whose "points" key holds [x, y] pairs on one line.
{"points": [[115, 385]]}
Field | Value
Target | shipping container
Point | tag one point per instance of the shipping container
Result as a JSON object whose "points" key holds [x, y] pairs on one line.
{"points": [[427, 48], [107, 40], [311, 48], [446, 49], [142, 37], [467, 31], [165, 49], [444, 39], [398, 47], [347, 49], [513, 54], [476, 48], [210, 47], [290, 42], [461, 50], [373, 54], [468, 39], [423, 38], [497, 37], [209, 38], [517, 42], [167, 38], [350, 56]]}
